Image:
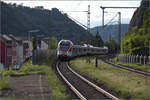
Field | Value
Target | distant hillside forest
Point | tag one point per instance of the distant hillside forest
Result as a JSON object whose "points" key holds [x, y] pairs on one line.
{"points": [[19, 20], [110, 30], [137, 39]]}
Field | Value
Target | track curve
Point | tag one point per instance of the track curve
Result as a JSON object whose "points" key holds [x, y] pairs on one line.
{"points": [[83, 89]]}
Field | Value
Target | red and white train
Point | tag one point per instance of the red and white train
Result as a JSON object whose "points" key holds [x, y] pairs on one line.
{"points": [[66, 49]]}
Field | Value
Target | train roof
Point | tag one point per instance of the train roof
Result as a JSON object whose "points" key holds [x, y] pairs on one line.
{"points": [[80, 46], [65, 41]]}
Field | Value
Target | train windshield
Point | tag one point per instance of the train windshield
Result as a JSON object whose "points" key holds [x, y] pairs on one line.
{"points": [[65, 46]]}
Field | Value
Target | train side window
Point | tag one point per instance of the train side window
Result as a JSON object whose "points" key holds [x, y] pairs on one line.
{"points": [[74, 49]]}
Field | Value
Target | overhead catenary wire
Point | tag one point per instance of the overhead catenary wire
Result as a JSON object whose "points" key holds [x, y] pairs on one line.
{"points": [[106, 27], [84, 26], [111, 20]]}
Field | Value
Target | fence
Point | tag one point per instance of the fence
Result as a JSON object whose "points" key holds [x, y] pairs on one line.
{"points": [[39, 55], [144, 60]]}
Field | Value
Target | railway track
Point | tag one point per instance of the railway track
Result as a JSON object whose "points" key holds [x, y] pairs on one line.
{"points": [[83, 88], [127, 68]]}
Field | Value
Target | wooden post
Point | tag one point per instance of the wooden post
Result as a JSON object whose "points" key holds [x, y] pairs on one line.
{"points": [[131, 58], [137, 59], [141, 59], [125, 58], [145, 60], [134, 58], [118, 58], [148, 60]]}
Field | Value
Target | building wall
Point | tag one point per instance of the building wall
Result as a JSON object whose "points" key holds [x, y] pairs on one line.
{"points": [[44, 45], [20, 53], [14, 54], [2, 52], [9, 56], [1, 66]]}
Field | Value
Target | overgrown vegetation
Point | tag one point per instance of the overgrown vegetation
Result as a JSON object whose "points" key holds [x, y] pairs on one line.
{"points": [[136, 41], [4, 83], [97, 40], [126, 84], [112, 45], [52, 43], [27, 69]]}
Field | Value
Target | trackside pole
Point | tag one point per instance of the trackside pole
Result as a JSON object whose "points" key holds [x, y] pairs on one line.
{"points": [[96, 62], [88, 59]]}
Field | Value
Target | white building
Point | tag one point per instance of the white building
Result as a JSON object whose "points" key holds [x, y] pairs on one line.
{"points": [[44, 45], [1, 66]]}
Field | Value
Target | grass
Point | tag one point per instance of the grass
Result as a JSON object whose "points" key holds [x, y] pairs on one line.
{"points": [[138, 66], [8, 98], [4, 83], [58, 91], [124, 83]]}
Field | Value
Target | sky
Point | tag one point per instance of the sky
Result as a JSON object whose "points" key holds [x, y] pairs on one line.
{"points": [[95, 10]]}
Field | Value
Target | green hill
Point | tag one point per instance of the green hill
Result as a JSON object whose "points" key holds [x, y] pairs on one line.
{"points": [[110, 29], [18, 20]]}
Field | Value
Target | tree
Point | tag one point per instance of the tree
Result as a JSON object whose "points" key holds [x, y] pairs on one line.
{"points": [[111, 44], [136, 40], [52, 43], [99, 41]]}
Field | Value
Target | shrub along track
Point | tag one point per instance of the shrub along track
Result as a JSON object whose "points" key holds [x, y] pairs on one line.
{"points": [[126, 68], [79, 85]]}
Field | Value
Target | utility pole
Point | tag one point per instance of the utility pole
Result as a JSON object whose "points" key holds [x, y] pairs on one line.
{"points": [[103, 8], [119, 31], [31, 31], [102, 16], [88, 23], [119, 28], [88, 19], [88, 29]]}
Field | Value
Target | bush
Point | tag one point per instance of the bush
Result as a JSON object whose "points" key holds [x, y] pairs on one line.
{"points": [[136, 41], [4, 83], [52, 43], [135, 44]]}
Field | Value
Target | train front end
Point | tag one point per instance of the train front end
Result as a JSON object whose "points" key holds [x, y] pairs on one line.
{"points": [[64, 49]]}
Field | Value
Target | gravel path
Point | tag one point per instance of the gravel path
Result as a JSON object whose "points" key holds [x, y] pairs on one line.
{"points": [[30, 87]]}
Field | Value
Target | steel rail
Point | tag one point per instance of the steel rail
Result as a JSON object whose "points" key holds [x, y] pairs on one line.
{"points": [[70, 85], [127, 68], [93, 85]]}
